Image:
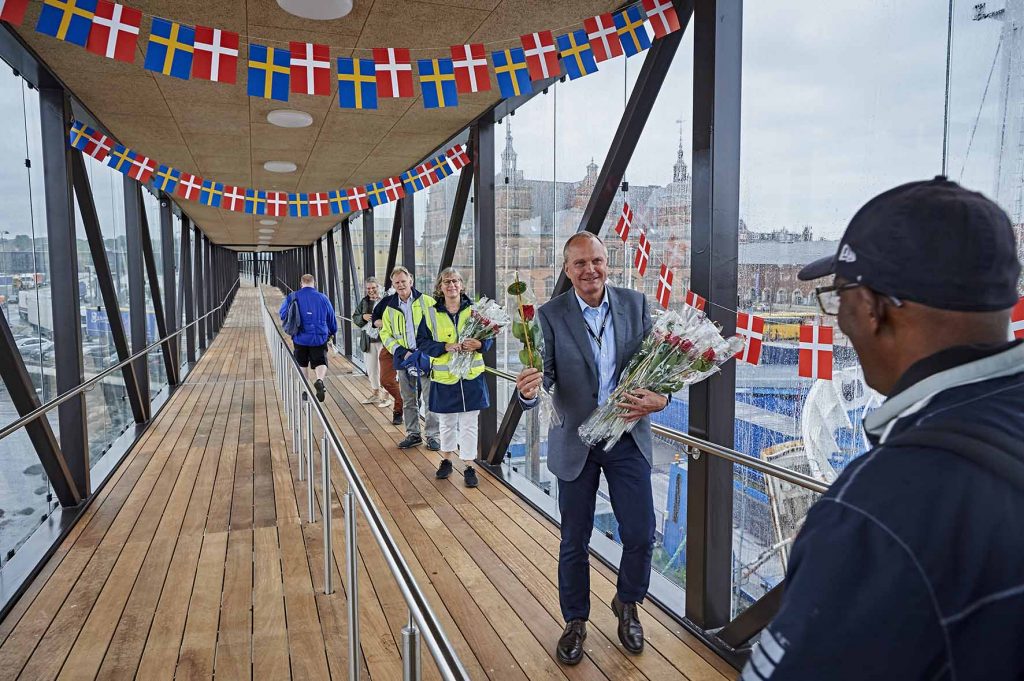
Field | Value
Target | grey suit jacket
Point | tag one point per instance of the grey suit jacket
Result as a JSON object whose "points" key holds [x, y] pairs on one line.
{"points": [[570, 369]]}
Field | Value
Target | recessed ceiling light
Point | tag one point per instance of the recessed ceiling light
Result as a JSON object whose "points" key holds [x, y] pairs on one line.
{"points": [[280, 166], [321, 10], [266, 230], [289, 118], [268, 222]]}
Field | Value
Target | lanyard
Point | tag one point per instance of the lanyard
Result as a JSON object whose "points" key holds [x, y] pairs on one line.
{"points": [[599, 336]]}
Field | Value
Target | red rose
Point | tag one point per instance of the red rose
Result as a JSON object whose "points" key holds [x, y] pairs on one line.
{"points": [[709, 355], [686, 345], [528, 313]]}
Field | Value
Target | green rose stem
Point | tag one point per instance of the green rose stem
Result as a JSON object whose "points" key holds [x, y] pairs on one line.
{"points": [[522, 315]]}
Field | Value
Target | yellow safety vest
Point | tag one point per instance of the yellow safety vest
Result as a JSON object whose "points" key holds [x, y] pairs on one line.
{"points": [[392, 329], [444, 331]]}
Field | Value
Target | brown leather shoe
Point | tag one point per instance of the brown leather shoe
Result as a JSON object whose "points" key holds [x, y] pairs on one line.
{"points": [[570, 644], [631, 632]]}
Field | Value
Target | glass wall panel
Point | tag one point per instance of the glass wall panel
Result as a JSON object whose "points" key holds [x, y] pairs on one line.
{"points": [[433, 211], [157, 369]]}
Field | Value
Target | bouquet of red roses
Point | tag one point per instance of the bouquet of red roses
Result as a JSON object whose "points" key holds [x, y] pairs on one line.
{"points": [[486, 320], [682, 349]]}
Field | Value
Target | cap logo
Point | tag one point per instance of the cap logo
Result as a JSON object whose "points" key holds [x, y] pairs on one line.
{"points": [[846, 254]]}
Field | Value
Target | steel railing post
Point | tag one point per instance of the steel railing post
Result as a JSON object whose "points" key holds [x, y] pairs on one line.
{"points": [[325, 472], [352, 570], [310, 474], [411, 650]]}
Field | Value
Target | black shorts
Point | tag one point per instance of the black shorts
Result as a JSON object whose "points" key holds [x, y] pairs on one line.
{"points": [[311, 355]]}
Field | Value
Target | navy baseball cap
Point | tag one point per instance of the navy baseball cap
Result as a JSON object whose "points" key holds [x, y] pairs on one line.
{"points": [[932, 242]]}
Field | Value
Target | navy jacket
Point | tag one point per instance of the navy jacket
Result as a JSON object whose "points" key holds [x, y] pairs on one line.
{"points": [[318, 320], [912, 565], [467, 394]]}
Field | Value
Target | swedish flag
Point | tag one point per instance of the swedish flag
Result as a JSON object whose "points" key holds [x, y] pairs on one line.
{"points": [[357, 83], [576, 53], [170, 48], [68, 20], [437, 80], [269, 72]]}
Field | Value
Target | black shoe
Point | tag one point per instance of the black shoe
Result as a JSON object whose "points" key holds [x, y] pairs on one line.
{"points": [[444, 470], [470, 477], [321, 390], [433, 445], [396, 418], [570, 645], [631, 632], [410, 441]]}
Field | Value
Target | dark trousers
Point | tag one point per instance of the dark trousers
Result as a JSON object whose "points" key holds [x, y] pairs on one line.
{"points": [[629, 486]]}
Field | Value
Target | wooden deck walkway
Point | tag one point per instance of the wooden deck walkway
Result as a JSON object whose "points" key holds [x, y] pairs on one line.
{"points": [[193, 561]]}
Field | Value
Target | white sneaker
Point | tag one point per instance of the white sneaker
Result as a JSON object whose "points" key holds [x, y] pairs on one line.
{"points": [[374, 398], [385, 401]]}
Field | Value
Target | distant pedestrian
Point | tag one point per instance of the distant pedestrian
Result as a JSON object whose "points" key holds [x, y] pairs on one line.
{"points": [[318, 326], [369, 342], [911, 566], [457, 402], [400, 315]]}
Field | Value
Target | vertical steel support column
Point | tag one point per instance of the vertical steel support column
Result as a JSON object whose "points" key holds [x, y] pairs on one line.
{"points": [[209, 288], [198, 288], [482, 145], [321, 271], [332, 267], [171, 314], [717, 48], [407, 207], [352, 573], [346, 288], [188, 297], [55, 114], [410, 651], [396, 236], [369, 247], [149, 260], [136, 285]]}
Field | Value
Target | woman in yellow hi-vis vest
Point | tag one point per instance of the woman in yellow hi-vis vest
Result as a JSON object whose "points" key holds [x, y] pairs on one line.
{"points": [[457, 402]]}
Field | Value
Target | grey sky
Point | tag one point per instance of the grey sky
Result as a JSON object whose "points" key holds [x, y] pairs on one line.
{"points": [[841, 99]]}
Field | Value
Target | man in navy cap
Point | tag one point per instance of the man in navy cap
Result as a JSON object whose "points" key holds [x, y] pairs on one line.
{"points": [[912, 565]]}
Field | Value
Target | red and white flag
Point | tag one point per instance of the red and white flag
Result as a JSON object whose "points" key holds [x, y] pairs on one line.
{"points": [[1017, 319], [752, 330], [310, 69], [357, 199], [664, 286], [319, 205], [394, 71], [625, 222], [98, 145], [643, 254], [393, 188], [815, 352], [458, 157], [115, 31], [233, 198], [188, 186], [142, 167], [215, 55], [541, 55], [13, 11], [425, 173], [663, 17], [603, 36], [277, 204], [695, 301], [470, 62]]}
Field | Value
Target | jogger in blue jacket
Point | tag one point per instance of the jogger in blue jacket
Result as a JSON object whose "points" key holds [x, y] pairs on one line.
{"points": [[318, 326]]}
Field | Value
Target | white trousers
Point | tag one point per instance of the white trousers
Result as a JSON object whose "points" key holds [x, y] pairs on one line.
{"points": [[372, 362], [459, 431]]}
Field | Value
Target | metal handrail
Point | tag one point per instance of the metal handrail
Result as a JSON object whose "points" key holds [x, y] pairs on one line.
{"points": [[82, 387], [766, 467], [422, 620]]}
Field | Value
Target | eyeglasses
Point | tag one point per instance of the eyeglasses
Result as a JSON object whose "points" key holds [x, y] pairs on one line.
{"points": [[449, 282], [828, 297]]}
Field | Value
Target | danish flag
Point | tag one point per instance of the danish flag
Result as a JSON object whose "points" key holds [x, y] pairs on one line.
{"points": [[663, 17], [470, 63], [142, 167], [541, 55], [457, 156], [319, 205], [358, 200], [625, 222], [425, 173], [752, 330], [233, 198], [664, 285], [695, 301], [189, 186], [394, 71], [1017, 319], [277, 204], [310, 69], [603, 36], [393, 188], [115, 31], [13, 11], [215, 55], [815, 352], [643, 254]]}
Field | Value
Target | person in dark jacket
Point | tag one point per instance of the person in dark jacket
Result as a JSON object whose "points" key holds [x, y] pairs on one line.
{"points": [[369, 342], [911, 566], [457, 402], [318, 326]]}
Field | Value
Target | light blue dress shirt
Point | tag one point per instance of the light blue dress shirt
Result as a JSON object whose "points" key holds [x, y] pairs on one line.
{"points": [[410, 328], [604, 352]]}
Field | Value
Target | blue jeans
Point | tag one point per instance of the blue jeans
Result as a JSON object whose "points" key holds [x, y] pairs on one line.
{"points": [[629, 486]]}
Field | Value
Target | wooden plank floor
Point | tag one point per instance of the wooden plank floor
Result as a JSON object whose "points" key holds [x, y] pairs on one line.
{"points": [[194, 562]]}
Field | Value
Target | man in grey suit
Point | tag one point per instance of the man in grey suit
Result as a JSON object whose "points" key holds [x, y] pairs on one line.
{"points": [[590, 334]]}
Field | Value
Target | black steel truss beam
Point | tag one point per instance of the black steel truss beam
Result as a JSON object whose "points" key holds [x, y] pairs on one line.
{"points": [[198, 286], [136, 285], [482, 143], [451, 240], [187, 284], [407, 209], [149, 259], [346, 286], [369, 247], [396, 235], [171, 316]]}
